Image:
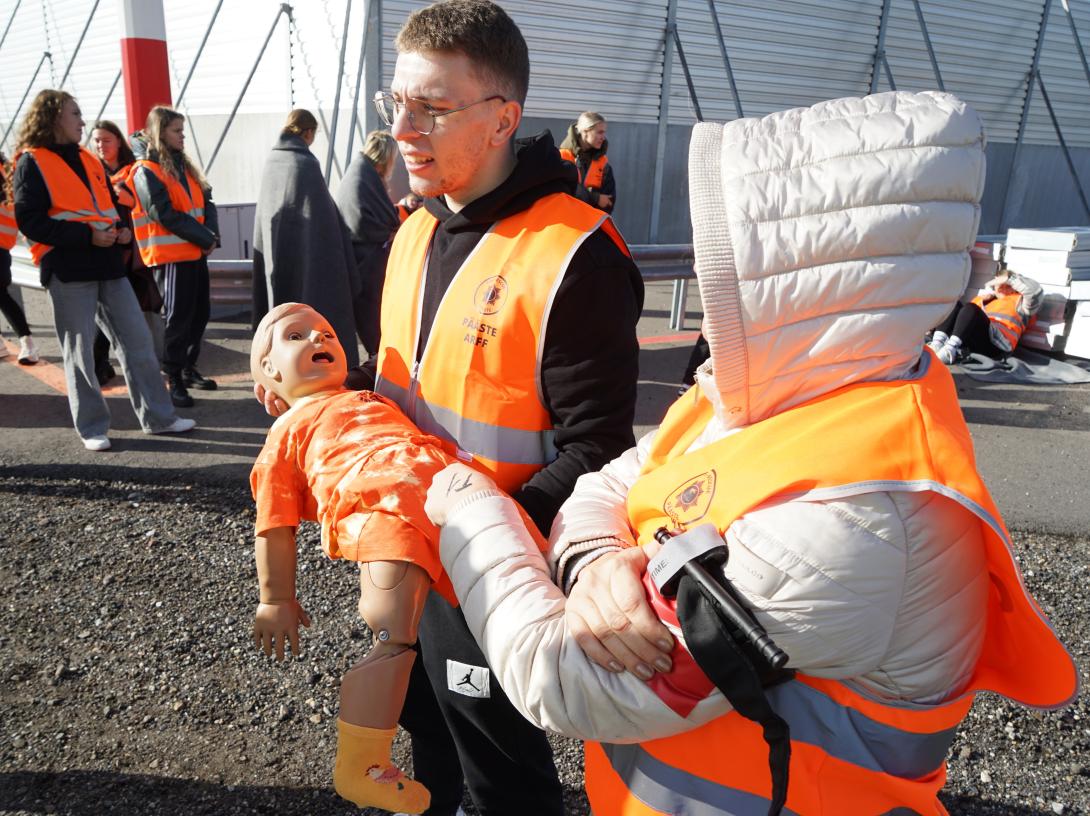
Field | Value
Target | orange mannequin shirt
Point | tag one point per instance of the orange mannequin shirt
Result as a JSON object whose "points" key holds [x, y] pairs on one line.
{"points": [[353, 453]]}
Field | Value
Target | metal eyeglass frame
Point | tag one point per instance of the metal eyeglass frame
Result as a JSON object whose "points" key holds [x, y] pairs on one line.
{"points": [[381, 97]]}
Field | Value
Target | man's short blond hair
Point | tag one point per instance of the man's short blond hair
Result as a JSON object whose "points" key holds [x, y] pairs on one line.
{"points": [[263, 335]]}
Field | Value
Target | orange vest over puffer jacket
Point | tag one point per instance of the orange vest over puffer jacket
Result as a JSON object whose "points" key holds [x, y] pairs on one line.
{"points": [[596, 171], [850, 753], [476, 385], [158, 245], [1003, 312]]}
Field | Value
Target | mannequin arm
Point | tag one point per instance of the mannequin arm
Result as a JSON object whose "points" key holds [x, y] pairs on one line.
{"points": [[279, 613]]}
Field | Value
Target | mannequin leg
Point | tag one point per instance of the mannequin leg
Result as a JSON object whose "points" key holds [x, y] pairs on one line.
{"points": [[392, 597]]}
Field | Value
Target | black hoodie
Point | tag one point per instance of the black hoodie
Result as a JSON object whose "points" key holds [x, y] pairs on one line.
{"points": [[590, 357]]}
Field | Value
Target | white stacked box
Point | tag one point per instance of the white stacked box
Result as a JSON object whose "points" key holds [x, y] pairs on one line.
{"points": [[985, 257], [1059, 259], [1078, 332]]}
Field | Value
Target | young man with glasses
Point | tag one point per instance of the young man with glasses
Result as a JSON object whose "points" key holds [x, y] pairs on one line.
{"points": [[508, 330]]}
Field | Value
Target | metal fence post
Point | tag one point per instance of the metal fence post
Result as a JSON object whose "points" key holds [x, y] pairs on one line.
{"points": [[19, 108], [880, 51], [359, 81], [1063, 145], [930, 48], [11, 20], [726, 58], [105, 102], [200, 50], [337, 96], [688, 76], [79, 43], [1025, 113], [1078, 40]]}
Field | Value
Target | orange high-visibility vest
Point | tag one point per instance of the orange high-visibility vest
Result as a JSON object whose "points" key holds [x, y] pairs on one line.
{"points": [[850, 753], [158, 245], [9, 230], [120, 180], [476, 385], [1002, 311], [596, 171], [69, 197]]}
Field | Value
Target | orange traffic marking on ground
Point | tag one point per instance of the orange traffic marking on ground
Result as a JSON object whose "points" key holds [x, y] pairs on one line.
{"points": [[662, 339]]}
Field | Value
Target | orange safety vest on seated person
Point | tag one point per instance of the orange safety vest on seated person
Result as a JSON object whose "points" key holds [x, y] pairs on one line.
{"points": [[476, 385], [850, 753], [8, 228], [69, 198], [157, 244], [1002, 311], [596, 171]]}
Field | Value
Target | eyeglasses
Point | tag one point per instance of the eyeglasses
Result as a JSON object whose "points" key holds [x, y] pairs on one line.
{"points": [[422, 116]]}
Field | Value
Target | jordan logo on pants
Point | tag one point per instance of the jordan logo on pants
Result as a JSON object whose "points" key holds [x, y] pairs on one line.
{"points": [[472, 681]]}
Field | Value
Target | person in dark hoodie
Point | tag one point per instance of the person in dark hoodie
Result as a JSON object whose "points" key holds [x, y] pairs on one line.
{"points": [[585, 146], [176, 228], [68, 212], [509, 332], [302, 251], [372, 220]]}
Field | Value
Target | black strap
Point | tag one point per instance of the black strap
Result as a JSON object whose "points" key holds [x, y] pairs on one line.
{"points": [[727, 664]]}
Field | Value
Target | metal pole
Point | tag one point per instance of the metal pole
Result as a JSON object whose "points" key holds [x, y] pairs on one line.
{"points": [[105, 102], [880, 50], [45, 55], [1063, 145], [337, 97], [79, 43], [930, 48], [889, 73], [284, 8], [373, 70], [726, 59], [1025, 112], [200, 50], [11, 20], [688, 76], [1078, 40], [359, 81]]}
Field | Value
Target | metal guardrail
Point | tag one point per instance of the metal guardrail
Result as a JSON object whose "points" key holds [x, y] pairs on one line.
{"points": [[231, 280]]}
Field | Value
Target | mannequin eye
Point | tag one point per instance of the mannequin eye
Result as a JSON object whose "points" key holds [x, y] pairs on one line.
{"points": [[328, 335], [295, 335]]}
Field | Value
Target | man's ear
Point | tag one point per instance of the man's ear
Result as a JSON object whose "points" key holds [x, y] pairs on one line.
{"points": [[269, 370], [508, 122]]}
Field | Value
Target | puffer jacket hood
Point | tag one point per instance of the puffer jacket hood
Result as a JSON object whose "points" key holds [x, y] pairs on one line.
{"points": [[828, 241]]}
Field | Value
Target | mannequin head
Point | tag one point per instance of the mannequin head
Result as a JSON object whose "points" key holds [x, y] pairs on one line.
{"points": [[295, 353]]}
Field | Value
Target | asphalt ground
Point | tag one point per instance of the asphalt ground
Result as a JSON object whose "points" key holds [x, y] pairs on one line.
{"points": [[1032, 442]]}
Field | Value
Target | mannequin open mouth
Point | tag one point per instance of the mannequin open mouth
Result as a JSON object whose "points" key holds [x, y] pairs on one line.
{"points": [[322, 357]]}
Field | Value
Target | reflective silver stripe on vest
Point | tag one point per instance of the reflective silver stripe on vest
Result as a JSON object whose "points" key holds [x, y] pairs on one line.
{"points": [[140, 221], [663, 787], [79, 215], [851, 736], [6, 230], [509, 445], [161, 240], [197, 212], [815, 719]]}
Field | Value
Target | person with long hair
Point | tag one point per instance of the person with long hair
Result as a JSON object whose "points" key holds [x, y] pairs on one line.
{"points": [[302, 251], [585, 146], [65, 208], [176, 228], [109, 143], [372, 220], [9, 306]]}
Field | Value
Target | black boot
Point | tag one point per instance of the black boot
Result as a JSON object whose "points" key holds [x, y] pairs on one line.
{"points": [[194, 379], [178, 393]]}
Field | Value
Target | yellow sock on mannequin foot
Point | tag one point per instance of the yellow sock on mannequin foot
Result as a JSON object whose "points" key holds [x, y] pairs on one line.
{"points": [[365, 775]]}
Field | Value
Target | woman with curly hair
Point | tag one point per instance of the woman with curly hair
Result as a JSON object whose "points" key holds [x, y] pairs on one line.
{"points": [[66, 210], [175, 224]]}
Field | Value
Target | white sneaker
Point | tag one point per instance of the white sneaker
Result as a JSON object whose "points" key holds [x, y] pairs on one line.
{"points": [[97, 443], [938, 340], [177, 426], [28, 352], [948, 353]]}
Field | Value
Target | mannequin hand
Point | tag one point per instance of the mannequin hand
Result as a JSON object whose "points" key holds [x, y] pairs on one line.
{"points": [[103, 238], [611, 619], [275, 622], [274, 406], [449, 487]]}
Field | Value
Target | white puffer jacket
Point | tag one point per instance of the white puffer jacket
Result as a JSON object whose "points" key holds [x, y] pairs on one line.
{"points": [[828, 241]]}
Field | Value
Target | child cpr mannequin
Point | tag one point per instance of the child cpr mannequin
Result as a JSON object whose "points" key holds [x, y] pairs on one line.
{"points": [[353, 462]]}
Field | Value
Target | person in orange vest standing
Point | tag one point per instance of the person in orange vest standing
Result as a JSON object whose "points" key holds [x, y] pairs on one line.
{"points": [[486, 344], [585, 146], [993, 322], [65, 208], [9, 306], [176, 229], [820, 468]]}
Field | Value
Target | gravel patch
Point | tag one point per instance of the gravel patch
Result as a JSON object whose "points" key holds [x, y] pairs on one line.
{"points": [[129, 684]]}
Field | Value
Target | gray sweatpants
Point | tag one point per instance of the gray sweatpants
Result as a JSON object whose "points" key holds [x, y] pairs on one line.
{"points": [[75, 308]]}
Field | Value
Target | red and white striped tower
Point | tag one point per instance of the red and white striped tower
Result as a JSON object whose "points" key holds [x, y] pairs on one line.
{"points": [[144, 59]]}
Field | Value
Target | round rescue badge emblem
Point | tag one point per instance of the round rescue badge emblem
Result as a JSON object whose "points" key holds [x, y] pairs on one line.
{"points": [[491, 294], [690, 502]]}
